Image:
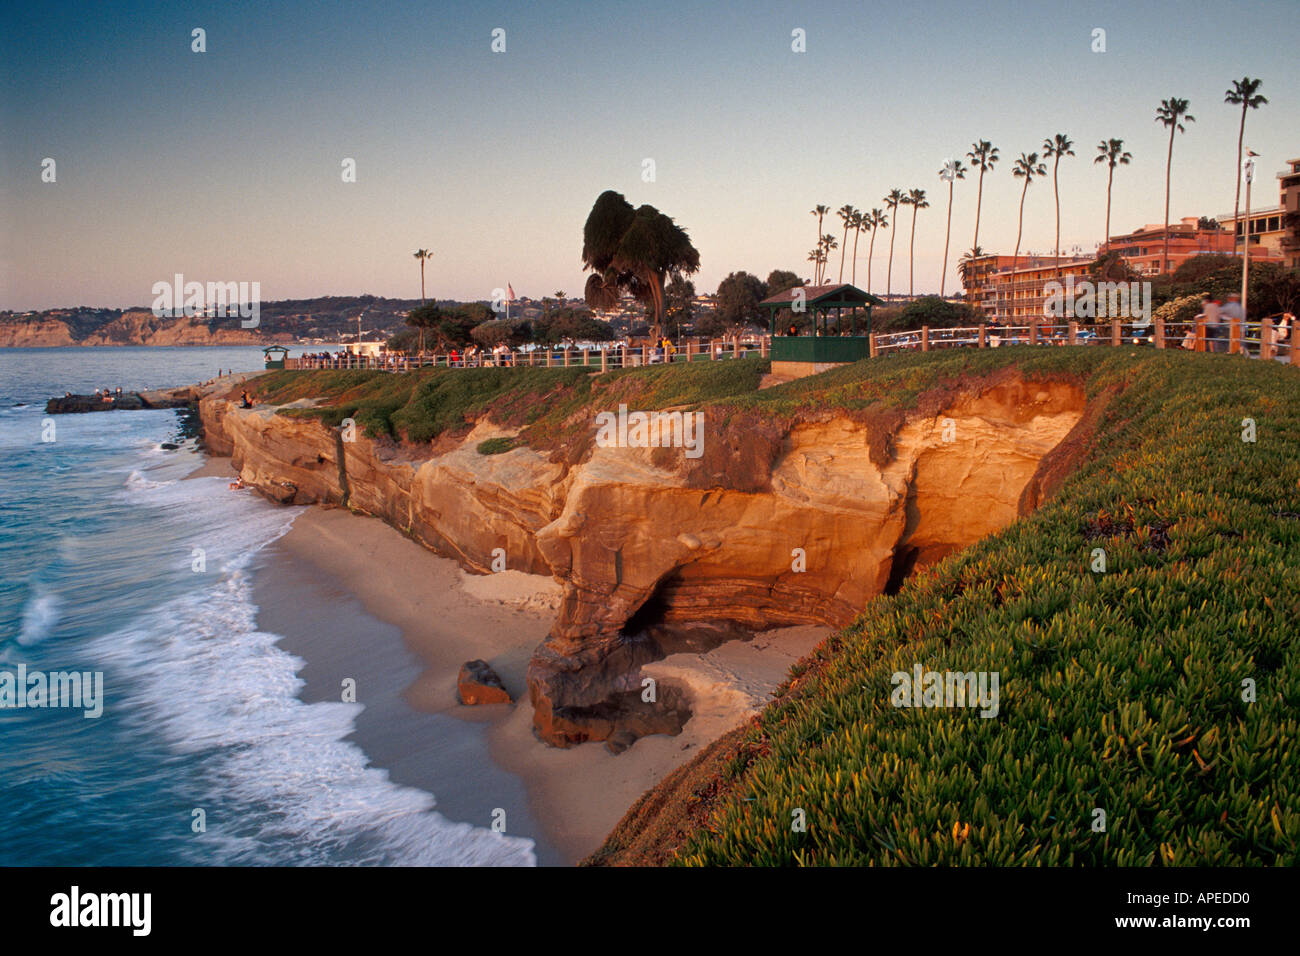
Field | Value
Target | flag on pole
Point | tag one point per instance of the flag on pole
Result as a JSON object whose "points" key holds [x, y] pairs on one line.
{"points": [[510, 292]]}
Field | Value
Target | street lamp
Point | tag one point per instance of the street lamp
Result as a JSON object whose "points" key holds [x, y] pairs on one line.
{"points": [[1248, 173]]}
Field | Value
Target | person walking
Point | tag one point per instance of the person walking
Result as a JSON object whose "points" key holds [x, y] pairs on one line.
{"points": [[1210, 311]]}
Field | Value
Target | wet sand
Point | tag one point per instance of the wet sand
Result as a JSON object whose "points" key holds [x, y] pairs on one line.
{"points": [[355, 598]]}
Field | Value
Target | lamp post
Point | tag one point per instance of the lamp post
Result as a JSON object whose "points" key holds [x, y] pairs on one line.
{"points": [[1248, 173]]}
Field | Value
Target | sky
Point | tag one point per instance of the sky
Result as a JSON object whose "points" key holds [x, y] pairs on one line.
{"points": [[226, 165]]}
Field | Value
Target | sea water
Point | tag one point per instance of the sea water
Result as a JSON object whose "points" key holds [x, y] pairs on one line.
{"points": [[112, 562]]}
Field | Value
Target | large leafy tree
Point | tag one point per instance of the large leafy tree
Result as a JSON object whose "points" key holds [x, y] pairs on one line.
{"points": [[1056, 147], [1172, 113], [778, 280], [738, 297], [571, 325], [680, 293], [634, 251], [1111, 152], [1244, 92]]}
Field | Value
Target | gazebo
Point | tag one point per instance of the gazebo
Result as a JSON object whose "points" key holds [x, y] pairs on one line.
{"points": [[823, 347], [275, 355]]}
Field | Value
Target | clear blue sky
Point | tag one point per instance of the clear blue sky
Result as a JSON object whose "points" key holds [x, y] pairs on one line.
{"points": [[226, 165]]}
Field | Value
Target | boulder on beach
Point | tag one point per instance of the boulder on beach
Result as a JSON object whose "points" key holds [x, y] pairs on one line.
{"points": [[478, 683]]}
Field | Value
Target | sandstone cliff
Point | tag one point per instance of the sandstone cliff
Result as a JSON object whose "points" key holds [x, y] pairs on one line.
{"points": [[647, 544], [133, 327]]}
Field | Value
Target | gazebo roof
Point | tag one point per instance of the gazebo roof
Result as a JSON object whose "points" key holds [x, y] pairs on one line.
{"points": [[837, 293]]}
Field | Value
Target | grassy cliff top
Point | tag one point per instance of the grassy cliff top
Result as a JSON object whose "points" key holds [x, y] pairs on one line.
{"points": [[1163, 691]]}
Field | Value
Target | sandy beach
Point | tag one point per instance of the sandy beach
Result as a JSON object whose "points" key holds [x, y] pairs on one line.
{"points": [[355, 598]]}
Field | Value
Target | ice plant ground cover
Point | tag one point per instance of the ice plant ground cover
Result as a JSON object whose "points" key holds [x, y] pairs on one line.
{"points": [[1162, 691]]}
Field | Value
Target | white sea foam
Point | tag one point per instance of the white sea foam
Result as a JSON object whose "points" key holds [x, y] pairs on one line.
{"points": [[280, 783], [40, 614]]}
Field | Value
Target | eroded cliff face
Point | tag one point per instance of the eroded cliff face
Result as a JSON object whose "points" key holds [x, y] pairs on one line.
{"points": [[640, 553], [132, 327]]}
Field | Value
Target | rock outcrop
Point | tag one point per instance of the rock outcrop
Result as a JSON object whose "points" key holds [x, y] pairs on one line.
{"points": [[478, 683], [126, 401], [645, 548]]}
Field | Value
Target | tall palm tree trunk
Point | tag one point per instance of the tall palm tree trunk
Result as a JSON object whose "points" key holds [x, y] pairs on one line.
{"points": [[911, 254], [1110, 178], [1015, 256], [817, 265], [979, 200], [889, 272], [1236, 203], [856, 234], [1169, 168], [1056, 191], [947, 235], [871, 249], [844, 247]]}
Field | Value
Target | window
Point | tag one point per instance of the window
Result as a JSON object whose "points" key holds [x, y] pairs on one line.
{"points": [[1273, 223]]}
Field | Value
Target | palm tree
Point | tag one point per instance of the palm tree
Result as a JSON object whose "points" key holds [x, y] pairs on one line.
{"points": [[966, 267], [560, 295], [858, 223], [1056, 147], [952, 171], [1111, 152], [1245, 91], [829, 244], [1026, 167], [817, 257], [846, 213], [820, 212], [876, 219], [983, 156], [915, 199], [895, 199], [423, 255], [1173, 114]]}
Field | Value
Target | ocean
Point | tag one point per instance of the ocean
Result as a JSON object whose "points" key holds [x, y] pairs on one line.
{"points": [[205, 752]]}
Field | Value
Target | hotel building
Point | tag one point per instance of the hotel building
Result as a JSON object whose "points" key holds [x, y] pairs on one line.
{"points": [[1273, 231]]}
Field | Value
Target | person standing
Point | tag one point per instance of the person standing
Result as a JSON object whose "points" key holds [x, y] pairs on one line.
{"points": [[1232, 312]]}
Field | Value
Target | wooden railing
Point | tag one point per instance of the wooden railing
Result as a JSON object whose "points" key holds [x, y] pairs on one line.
{"points": [[1257, 339], [602, 357], [1261, 339]]}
